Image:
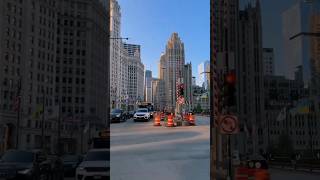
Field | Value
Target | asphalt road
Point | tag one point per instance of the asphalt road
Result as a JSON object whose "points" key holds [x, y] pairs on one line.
{"points": [[142, 151]]}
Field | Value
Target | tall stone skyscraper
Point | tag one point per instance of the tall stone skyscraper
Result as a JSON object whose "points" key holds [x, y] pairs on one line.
{"points": [[173, 75], [250, 77], [135, 75], [57, 50], [115, 53], [82, 68], [224, 43], [187, 79], [203, 74], [123, 97], [27, 61], [148, 84]]}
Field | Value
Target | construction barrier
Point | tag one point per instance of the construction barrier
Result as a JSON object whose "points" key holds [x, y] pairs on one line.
{"points": [[186, 117], [170, 120], [191, 119], [244, 173], [157, 118], [262, 174], [162, 116]]}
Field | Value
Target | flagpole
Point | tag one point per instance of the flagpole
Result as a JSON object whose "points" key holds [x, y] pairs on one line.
{"points": [[59, 128], [42, 124], [18, 112]]}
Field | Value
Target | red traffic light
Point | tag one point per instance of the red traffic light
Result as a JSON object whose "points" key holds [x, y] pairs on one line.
{"points": [[231, 78]]}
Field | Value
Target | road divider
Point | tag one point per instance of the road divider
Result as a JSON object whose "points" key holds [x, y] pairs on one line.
{"points": [[170, 120], [191, 120], [157, 118]]}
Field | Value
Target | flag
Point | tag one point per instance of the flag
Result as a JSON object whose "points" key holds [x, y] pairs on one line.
{"points": [[86, 128], [282, 115], [17, 100]]}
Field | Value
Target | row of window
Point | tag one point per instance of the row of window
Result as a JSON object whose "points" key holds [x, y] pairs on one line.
{"points": [[72, 23], [43, 21], [70, 42], [12, 45], [14, 71], [14, 59], [70, 70], [70, 90], [12, 20], [42, 55], [70, 80], [13, 33]]}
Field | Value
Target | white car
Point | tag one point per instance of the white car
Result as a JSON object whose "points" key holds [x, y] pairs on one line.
{"points": [[141, 115], [96, 165]]}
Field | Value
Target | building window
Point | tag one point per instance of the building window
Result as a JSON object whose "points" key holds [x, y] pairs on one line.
{"points": [[28, 138]]}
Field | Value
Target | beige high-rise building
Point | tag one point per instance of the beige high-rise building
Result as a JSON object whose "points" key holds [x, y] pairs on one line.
{"points": [[47, 45], [115, 54], [158, 94], [174, 68], [162, 66], [250, 81], [123, 79], [82, 70], [188, 86], [135, 75], [27, 55]]}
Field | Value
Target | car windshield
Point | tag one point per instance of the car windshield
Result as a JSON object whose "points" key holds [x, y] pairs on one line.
{"points": [[17, 156], [97, 156], [70, 158], [116, 111], [142, 110]]}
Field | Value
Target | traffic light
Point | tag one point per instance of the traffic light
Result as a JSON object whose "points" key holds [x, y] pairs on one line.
{"points": [[229, 89]]}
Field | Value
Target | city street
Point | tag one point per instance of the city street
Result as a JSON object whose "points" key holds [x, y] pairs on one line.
{"points": [[142, 151]]}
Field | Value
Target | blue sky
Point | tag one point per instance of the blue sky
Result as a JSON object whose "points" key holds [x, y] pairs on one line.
{"points": [[151, 22]]}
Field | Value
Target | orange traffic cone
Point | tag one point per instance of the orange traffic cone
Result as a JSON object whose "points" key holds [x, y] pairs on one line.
{"points": [[170, 120], [262, 174], [157, 119], [191, 119], [186, 117]]}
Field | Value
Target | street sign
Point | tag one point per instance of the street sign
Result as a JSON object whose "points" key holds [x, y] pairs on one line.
{"points": [[228, 124]]}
